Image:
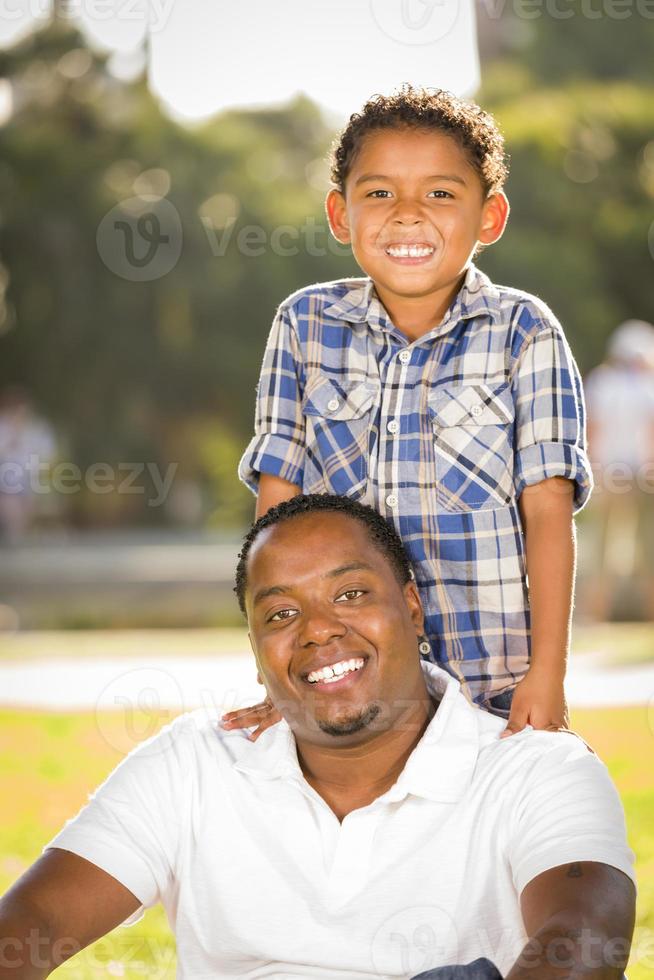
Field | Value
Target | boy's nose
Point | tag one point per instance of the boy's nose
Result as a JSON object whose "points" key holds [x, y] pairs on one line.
{"points": [[407, 213]]}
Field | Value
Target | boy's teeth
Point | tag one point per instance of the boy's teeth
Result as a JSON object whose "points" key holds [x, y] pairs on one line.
{"points": [[332, 673], [409, 251]]}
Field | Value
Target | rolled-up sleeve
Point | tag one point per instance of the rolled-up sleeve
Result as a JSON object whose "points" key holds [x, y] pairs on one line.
{"points": [[278, 445], [550, 425]]}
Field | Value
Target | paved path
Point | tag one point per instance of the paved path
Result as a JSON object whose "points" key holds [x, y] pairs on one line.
{"points": [[182, 683]]}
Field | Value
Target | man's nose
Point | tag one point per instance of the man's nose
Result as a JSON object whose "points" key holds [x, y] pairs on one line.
{"points": [[320, 626]]}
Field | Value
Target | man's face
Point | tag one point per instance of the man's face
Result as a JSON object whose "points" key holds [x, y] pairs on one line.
{"points": [[333, 632], [417, 189]]}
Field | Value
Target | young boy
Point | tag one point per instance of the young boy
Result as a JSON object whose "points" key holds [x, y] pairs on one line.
{"points": [[450, 404]]}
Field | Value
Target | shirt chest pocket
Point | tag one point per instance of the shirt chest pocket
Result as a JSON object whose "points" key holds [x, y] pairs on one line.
{"points": [[338, 417], [473, 427]]}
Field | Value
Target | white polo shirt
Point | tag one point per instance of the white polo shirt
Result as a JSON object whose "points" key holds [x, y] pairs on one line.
{"points": [[259, 879]]}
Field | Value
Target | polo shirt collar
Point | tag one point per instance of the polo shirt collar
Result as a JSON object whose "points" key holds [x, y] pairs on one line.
{"points": [[442, 764], [439, 768], [478, 296]]}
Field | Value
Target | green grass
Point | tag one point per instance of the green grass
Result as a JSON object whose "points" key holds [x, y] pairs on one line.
{"points": [[50, 761], [616, 643]]}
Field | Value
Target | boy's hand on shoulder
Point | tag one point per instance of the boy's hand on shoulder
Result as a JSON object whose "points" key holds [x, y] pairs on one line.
{"points": [[539, 701], [262, 716]]}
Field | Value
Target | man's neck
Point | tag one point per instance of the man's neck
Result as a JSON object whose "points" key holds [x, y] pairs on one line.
{"points": [[349, 777], [415, 316]]}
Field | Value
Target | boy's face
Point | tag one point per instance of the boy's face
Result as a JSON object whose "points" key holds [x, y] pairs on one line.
{"points": [[414, 211]]}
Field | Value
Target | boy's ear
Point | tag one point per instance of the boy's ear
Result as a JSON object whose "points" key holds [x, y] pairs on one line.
{"points": [[337, 216], [494, 218]]}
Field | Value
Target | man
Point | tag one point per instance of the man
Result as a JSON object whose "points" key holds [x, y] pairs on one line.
{"points": [[382, 829]]}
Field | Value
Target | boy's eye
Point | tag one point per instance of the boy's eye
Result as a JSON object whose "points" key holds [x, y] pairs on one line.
{"points": [[441, 194], [349, 594], [375, 193], [281, 615]]}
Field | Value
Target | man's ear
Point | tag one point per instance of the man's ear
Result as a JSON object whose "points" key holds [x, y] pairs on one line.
{"points": [[254, 651], [337, 216], [494, 218], [412, 597]]}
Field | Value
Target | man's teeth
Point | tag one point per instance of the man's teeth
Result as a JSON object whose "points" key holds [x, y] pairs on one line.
{"points": [[409, 251], [334, 672]]}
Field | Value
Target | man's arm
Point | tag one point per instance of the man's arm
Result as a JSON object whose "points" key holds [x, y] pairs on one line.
{"points": [[60, 905], [580, 920]]}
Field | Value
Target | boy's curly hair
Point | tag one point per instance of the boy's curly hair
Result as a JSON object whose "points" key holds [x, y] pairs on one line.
{"points": [[426, 108]]}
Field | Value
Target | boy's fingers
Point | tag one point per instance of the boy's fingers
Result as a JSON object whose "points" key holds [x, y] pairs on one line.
{"points": [[265, 723], [264, 705], [245, 717], [253, 736], [514, 725]]}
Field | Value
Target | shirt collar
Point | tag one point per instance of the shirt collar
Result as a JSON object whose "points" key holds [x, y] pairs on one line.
{"points": [[439, 768], [442, 764], [478, 296]]}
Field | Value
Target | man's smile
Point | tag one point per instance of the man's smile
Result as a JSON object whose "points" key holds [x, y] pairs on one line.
{"points": [[337, 673]]}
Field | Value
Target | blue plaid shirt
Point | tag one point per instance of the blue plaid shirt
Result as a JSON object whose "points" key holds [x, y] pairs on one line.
{"points": [[441, 435]]}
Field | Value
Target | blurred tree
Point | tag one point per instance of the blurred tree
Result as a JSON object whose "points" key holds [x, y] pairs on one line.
{"points": [[117, 363], [142, 370], [578, 118], [564, 41]]}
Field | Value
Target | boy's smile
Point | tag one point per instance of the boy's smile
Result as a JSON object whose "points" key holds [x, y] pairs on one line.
{"points": [[414, 210]]}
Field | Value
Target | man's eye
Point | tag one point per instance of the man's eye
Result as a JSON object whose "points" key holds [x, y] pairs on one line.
{"points": [[281, 615], [350, 594]]}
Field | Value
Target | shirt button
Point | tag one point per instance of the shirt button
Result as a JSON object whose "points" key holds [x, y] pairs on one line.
{"points": [[405, 356], [332, 404], [393, 425], [391, 500], [476, 410]]}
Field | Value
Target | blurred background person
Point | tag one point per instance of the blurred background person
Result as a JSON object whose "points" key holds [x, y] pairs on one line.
{"points": [[27, 447], [620, 405]]}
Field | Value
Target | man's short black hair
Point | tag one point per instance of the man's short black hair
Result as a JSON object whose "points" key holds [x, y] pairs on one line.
{"points": [[382, 534], [426, 109]]}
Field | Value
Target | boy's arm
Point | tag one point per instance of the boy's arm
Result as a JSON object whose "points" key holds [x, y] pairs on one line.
{"points": [[546, 512], [59, 906], [552, 479], [272, 465], [272, 491]]}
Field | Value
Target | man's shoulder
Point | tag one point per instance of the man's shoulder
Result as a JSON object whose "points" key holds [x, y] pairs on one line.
{"points": [[319, 296], [528, 755], [194, 739]]}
